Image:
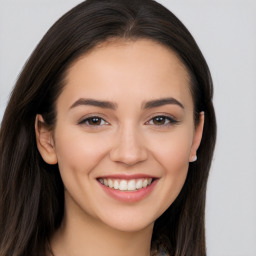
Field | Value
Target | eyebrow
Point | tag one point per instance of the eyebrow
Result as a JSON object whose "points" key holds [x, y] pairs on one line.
{"points": [[93, 102], [113, 106], [162, 102]]}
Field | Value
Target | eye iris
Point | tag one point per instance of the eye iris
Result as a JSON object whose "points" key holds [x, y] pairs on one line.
{"points": [[159, 120], [94, 121]]}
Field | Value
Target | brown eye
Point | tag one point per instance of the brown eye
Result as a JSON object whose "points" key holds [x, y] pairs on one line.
{"points": [[159, 120], [94, 121], [162, 121]]}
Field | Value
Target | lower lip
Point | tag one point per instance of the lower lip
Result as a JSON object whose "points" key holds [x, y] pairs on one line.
{"points": [[129, 196]]}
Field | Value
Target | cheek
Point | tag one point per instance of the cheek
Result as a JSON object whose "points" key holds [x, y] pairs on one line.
{"points": [[79, 152], [172, 150], [172, 153]]}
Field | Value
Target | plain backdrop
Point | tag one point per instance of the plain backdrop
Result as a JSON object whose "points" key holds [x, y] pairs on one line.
{"points": [[226, 33]]}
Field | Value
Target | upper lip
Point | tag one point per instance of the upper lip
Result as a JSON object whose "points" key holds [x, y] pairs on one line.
{"points": [[126, 176]]}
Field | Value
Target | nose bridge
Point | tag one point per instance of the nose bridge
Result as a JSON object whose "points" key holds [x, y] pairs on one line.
{"points": [[129, 147]]}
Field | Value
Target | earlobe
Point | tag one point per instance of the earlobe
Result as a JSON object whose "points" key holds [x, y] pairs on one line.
{"points": [[44, 140], [197, 138]]}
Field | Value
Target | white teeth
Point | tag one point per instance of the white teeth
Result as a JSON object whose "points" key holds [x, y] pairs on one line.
{"points": [[131, 185], [110, 183], [126, 185], [116, 184], [144, 183], [139, 184], [123, 185]]}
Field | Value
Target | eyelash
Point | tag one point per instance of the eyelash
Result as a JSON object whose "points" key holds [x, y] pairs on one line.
{"points": [[167, 120], [99, 121], [93, 118]]}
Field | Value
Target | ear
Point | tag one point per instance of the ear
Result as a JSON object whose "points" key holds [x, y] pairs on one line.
{"points": [[197, 138], [44, 140]]}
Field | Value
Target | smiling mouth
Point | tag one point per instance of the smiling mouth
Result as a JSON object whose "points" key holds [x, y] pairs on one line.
{"points": [[126, 185]]}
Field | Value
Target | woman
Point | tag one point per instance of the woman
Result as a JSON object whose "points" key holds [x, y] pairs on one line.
{"points": [[108, 137]]}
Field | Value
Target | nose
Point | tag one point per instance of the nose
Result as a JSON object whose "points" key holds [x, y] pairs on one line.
{"points": [[128, 147]]}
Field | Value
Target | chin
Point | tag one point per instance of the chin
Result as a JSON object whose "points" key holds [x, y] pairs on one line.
{"points": [[130, 226], [131, 221]]}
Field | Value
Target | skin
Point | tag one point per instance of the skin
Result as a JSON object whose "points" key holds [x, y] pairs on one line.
{"points": [[127, 140]]}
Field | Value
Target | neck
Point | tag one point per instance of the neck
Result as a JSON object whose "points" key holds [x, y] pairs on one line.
{"points": [[86, 235]]}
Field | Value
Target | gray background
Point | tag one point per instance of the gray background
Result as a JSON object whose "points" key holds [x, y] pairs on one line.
{"points": [[226, 33]]}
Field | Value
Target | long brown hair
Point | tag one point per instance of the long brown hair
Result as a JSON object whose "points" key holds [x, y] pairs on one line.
{"points": [[31, 191]]}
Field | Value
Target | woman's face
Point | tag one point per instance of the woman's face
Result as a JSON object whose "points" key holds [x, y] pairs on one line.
{"points": [[124, 134]]}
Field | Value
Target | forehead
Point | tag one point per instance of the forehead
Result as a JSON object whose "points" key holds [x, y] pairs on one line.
{"points": [[140, 69]]}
